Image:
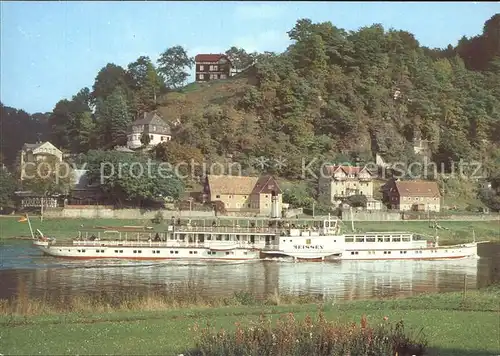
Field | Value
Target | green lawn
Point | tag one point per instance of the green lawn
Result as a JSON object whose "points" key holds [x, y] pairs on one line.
{"points": [[451, 232], [453, 325]]}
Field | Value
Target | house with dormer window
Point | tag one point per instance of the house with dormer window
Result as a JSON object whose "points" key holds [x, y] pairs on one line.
{"points": [[36, 153], [338, 182], [151, 124], [243, 193], [413, 195]]}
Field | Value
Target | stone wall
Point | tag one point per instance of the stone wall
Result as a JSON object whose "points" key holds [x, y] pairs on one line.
{"points": [[371, 215], [106, 212]]}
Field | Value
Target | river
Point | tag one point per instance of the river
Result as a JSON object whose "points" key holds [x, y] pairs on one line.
{"points": [[23, 265]]}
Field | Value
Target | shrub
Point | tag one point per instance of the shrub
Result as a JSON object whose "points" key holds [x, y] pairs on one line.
{"points": [[158, 219], [290, 337]]}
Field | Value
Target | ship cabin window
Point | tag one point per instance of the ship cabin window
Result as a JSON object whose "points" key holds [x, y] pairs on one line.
{"points": [[116, 251], [245, 253], [135, 251], [380, 239], [227, 238], [354, 252], [406, 239], [171, 251], [387, 239], [121, 251], [83, 250], [227, 253], [97, 251], [176, 252], [157, 251], [360, 240], [190, 252], [370, 239], [396, 239], [218, 237], [347, 239]]}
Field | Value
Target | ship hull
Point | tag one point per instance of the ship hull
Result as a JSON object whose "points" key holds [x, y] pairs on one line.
{"points": [[144, 253], [434, 253]]}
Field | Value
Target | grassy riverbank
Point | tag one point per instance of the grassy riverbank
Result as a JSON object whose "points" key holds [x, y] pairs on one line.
{"points": [[451, 232], [454, 324]]}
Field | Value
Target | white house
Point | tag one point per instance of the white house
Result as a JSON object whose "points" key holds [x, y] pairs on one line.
{"points": [[150, 124], [37, 152]]}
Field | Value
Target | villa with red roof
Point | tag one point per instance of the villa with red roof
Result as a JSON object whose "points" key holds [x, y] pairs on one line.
{"points": [[338, 182], [212, 67]]}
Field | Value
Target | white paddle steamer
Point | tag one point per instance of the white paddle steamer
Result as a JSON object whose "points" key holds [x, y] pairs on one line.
{"points": [[317, 241]]}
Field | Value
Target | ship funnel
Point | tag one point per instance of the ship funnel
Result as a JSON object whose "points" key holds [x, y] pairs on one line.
{"points": [[275, 208]]}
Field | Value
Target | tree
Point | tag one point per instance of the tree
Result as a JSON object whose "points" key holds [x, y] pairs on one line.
{"points": [[239, 58], [108, 80], [7, 188], [18, 127], [146, 84], [172, 65], [113, 119], [128, 178], [48, 177], [185, 158], [145, 139], [357, 201]]}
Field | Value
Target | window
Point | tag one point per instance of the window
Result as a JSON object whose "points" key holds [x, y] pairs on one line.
{"points": [[151, 137], [161, 139], [217, 196], [216, 68], [202, 68], [201, 76], [223, 76]]}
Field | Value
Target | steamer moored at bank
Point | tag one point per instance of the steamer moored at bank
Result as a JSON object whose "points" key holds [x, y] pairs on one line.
{"points": [[316, 241]]}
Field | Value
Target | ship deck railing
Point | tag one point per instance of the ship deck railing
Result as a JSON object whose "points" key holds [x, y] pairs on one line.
{"points": [[230, 229], [169, 243]]}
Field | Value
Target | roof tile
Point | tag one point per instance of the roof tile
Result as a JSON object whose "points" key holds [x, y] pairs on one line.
{"points": [[418, 189]]}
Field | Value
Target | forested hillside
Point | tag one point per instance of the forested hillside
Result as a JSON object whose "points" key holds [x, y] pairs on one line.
{"points": [[333, 94]]}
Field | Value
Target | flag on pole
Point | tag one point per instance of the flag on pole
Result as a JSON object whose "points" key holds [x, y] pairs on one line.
{"points": [[23, 219]]}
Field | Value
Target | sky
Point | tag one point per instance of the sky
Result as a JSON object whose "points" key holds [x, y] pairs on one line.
{"points": [[50, 50]]}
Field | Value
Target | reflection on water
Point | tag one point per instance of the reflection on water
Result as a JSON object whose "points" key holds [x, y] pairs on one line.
{"points": [[22, 264]]}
